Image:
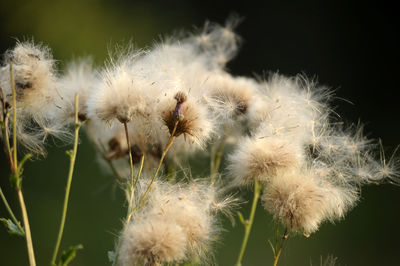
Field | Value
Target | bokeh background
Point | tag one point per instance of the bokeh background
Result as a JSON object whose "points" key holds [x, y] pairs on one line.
{"points": [[350, 46]]}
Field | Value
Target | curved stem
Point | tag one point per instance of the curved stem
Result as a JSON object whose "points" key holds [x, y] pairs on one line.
{"points": [[284, 237], [69, 181], [248, 223]]}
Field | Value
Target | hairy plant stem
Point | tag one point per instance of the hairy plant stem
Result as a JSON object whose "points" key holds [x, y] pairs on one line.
{"points": [[16, 173], [248, 223], [72, 155], [10, 212], [277, 255]]}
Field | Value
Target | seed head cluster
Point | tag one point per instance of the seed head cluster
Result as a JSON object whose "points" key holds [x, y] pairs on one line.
{"points": [[282, 132]]}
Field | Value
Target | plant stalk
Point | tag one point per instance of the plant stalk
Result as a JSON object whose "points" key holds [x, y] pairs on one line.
{"points": [[10, 212], [169, 144], [248, 223], [14, 169], [284, 237], [69, 181]]}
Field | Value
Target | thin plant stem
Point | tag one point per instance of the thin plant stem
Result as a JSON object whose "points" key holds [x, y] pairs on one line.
{"points": [[248, 223], [142, 198], [14, 169], [212, 158], [14, 122], [140, 170], [284, 237], [169, 144], [28, 235], [130, 156], [16, 222], [69, 181], [130, 210], [7, 140], [218, 156]]}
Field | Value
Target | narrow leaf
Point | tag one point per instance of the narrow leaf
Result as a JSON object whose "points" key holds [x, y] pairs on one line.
{"points": [[12, 228], [272, 247], [68, 255]]}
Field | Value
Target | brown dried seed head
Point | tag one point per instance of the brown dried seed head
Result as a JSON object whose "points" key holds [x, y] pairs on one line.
{"points": [[180, 97]]}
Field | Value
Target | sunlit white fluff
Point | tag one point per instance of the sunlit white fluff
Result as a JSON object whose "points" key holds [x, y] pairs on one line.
{"points": [[78, 78], [35, 80], [192, 207], [302, 201], [121, 94], [261, 158]]}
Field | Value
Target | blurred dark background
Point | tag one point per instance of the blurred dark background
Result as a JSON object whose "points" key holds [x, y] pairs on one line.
{"points": [[350, 46]]}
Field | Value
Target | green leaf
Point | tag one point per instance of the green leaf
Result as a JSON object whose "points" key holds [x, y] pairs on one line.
{"points": [[241, 219], [68, 255], [111, 256], [12, 228], [272, 247]]}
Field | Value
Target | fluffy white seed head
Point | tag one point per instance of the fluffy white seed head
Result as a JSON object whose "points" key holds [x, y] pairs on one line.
{"points": [[302, 201], [34, 77], [152, 242], [79, 78], [261, 159], [121, 94]]}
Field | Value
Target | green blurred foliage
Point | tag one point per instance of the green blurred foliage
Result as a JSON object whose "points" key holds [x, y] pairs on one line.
{"points": [[368, 235]]}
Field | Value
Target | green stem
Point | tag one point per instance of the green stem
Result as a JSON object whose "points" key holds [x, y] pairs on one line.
{"points": [[248, 224], [169, 144], [14, 169], [140, 203], [284, 237], [69, 181], [130, 210], [16, 222], [28, 236]]}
